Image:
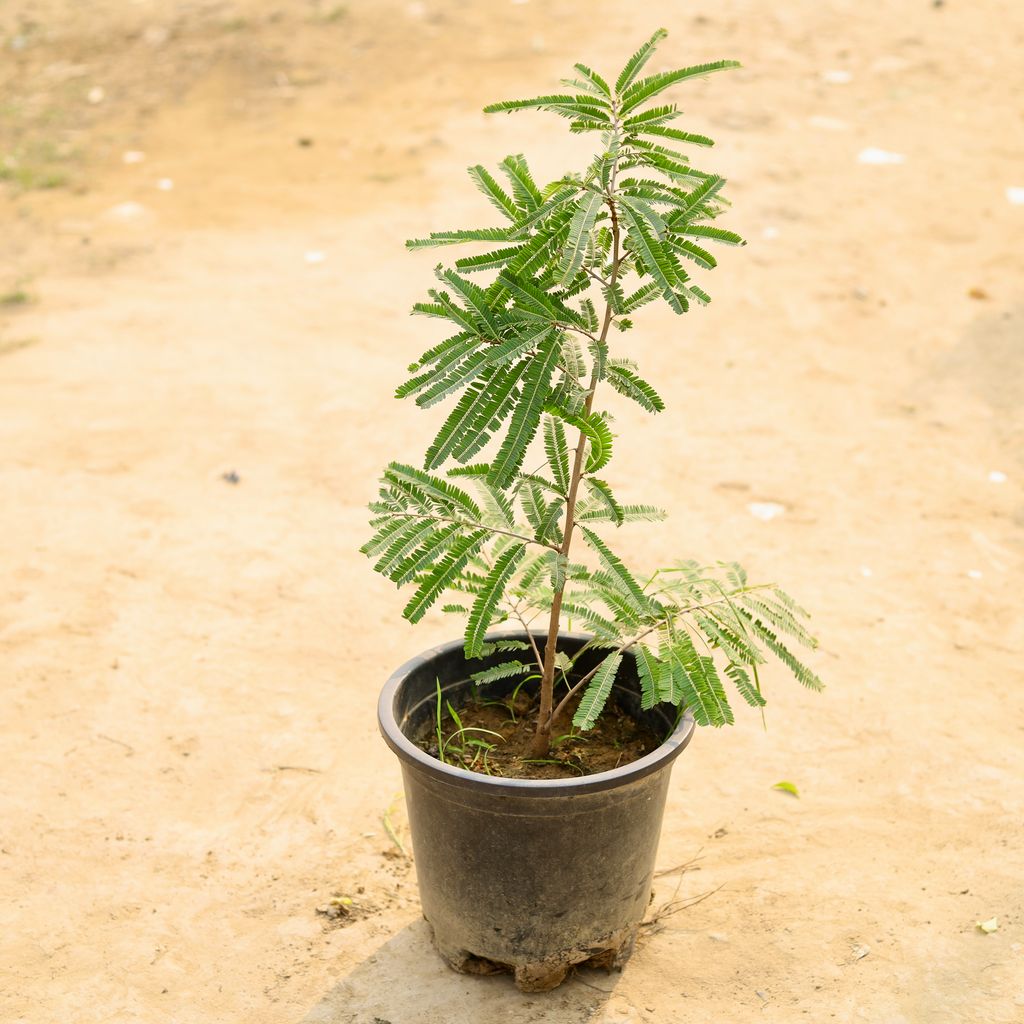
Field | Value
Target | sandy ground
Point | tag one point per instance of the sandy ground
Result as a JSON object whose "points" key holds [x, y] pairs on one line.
{"points": [[190, 666]]}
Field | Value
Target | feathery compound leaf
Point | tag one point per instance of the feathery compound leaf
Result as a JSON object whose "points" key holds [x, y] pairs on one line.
{"points": [[627, 383], [557, 451], [690, 251], [444, 574], [603, 493], [676, 135], [617, 569], [506, 670], [486, 400], [599, 435], [526, 417], [455, 237], [594, 80], [643, 90], [495, 193], [595, 429], [488, 260], [648, 247], [579, 235], [635, 63], [524, 188], [695, 200], [650, 670], [707, 231], [490, 595], [591, 107], [748, 691], [430, 492], [595, 696]]}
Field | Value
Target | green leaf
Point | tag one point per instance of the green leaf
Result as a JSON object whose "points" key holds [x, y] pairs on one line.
{"points": [[641, 297], [547, 528], [494, 192], [643, 90], [506, 670], [595, 696], [603, 493], [557, 451], [558, 565], [440, 541], [586, 106], [600, 626], [524, 188], [600, 436], [488, 260], [464, 374], [408, 540], [627, 383], [677, 135], [593, 79], [455, 237], [695, 199], [526, 417], [635, 63], [383, 536], [617, 569], [579, 235], [485, 401], [490, 595], [787, 787], [650, 671], [707, 231], [430, 491], [444, 574], [643, 241], [694, 252]]}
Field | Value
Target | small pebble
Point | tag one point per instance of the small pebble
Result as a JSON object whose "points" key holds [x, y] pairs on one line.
{"points": [[860, 952], [156, 35], [996, 476], [770, 233], [1015, 195], [165, 184], [879, 157], [230, 477], [315, 256], [96, 94], [128, 211], [866, 572], [765, 510], [974, 574], [977, 293], [837, 77], [828, 124], [133, 156]]}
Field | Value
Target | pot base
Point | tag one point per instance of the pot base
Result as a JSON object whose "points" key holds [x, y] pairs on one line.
{"points": [[544, 975]]}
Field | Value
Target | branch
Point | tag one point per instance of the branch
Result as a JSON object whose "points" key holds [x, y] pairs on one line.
{"points": [[475, 526], [625, 647]]}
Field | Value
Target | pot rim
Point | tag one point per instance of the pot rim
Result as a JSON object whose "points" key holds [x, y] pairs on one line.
{"points": [[412, 755]]}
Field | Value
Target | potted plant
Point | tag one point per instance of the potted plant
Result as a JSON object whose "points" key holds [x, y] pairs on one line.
{"points": [[534, 848]]}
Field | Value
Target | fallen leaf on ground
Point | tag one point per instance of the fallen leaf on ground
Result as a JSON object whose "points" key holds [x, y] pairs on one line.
{"points": [[787, 787]]}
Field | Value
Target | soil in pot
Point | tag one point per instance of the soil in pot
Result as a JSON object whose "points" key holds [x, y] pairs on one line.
{"points": [[493, 736]]}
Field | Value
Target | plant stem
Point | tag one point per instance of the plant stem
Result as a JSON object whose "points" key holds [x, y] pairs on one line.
{"points": [[542, 737]]}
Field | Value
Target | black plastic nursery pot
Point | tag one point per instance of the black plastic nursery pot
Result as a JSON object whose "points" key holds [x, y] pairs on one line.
{"points": [[529, 876]]}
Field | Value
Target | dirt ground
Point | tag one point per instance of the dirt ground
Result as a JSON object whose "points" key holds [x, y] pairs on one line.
{"points": [[202, 274]]}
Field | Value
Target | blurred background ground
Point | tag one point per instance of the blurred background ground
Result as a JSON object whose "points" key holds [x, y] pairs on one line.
{"points": [[203, 301]]}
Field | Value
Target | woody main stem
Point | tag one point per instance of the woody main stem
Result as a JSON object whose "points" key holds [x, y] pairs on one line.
{"points": [[545, 719]]}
